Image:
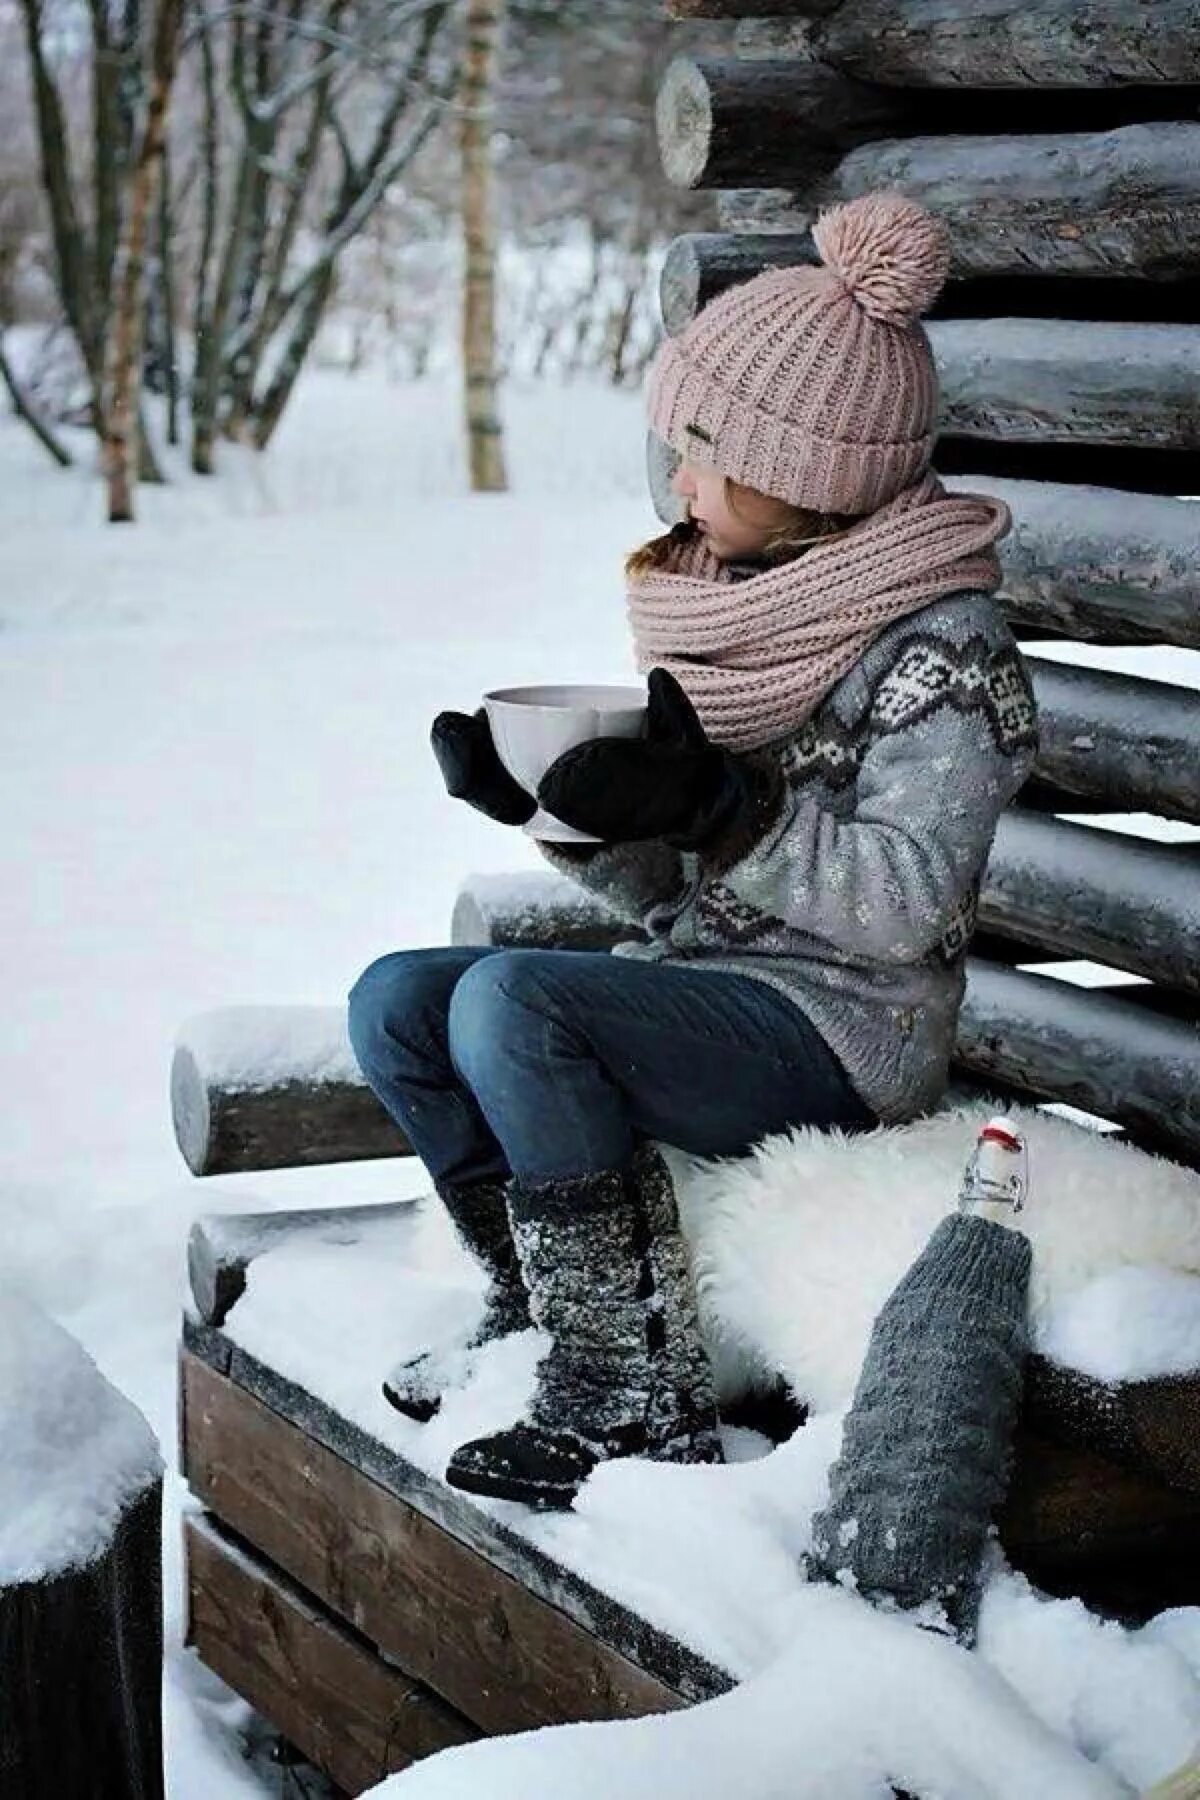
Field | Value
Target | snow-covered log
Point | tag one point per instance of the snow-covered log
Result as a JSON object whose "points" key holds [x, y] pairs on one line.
{"points": [[274, 1087], [1120, 202], [1102, 1053], [1129, 744], [222, 1246], [1057, 44], [783, 122], [699, 265], [535, 910], [1128, 902], [80, 1588]]}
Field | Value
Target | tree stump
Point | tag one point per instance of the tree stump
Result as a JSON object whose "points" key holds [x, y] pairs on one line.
{"points": [[80, 1581]]}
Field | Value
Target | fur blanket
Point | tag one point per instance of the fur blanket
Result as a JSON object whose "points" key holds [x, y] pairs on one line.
{"points": [[797, 1244]]}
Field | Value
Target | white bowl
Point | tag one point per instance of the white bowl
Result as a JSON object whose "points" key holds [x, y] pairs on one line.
{"points": [[532, 726]]}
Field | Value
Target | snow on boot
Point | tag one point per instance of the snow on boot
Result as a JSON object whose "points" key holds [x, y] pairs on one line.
{"points": [[685, 1419], [480, 1218], [619, 1380]]}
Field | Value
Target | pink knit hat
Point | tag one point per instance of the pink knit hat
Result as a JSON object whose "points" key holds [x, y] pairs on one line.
{"points": [[816, 384]]}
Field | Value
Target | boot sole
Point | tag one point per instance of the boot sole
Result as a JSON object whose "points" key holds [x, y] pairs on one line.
{"points": [[545, 1496], [419, 1410]]}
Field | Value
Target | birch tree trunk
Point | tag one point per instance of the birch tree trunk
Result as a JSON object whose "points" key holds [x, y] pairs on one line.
{"points": [[124, 357], [485, 447]]}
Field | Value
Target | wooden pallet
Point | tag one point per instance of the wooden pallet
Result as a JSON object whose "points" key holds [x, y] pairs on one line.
{"points": [[369, 1612], [374, 1615]]}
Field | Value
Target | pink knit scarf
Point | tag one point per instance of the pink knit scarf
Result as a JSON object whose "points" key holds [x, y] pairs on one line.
{"points": [[756, 657]]}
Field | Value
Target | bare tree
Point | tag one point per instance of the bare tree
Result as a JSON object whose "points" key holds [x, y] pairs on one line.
{"points": [[485, 448], [333, 103], [123, 387]]}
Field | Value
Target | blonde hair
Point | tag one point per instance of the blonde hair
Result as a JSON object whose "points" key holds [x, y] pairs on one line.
{"points": [[797, 528]]}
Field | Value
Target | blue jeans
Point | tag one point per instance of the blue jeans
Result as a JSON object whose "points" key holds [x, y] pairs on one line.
{"points": [[548, 1064]]}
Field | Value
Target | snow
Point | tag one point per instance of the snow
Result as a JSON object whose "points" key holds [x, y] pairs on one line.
{"points": [[1132, 1323], [76, 1453], [712, 1555], [858, 1700], [216, 790], [260, 1046]]}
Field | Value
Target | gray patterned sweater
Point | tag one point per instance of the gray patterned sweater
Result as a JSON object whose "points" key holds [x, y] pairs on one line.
{"points": [[854, 889]]}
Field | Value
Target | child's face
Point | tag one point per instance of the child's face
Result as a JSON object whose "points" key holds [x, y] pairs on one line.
{"points": [[727, 533]]}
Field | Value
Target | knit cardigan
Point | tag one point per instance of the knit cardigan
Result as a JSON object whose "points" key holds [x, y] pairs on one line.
{"points": [[854, 888]]}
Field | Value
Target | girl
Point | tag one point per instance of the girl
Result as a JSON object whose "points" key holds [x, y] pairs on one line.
{"points": [[838, 713]]}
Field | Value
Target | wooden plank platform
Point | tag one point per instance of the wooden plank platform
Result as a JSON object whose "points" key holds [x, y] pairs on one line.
{"points": [[333, 1577], [325, 1688], [492, 1625]]}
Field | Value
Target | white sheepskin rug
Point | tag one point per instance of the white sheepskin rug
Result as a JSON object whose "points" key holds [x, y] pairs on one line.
{"points": [[798, 1243]]}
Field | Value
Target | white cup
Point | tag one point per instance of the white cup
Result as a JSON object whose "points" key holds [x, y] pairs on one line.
{"points": [[531, 726]]}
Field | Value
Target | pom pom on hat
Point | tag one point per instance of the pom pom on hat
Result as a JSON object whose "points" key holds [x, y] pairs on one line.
{"points": [[889, 253]]}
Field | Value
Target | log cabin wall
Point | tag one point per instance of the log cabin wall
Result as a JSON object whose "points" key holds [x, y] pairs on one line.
{"points": [[1060, 140]]}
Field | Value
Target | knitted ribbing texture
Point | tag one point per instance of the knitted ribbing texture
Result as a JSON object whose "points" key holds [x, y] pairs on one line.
{"points": [[756, 657]]}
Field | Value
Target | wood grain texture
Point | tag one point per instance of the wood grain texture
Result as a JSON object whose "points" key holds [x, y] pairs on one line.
{"points": [[1129, 902], [1050, 1040], [1151, 1425], [326, 1690], [467, 1628], [483, 916], [1121, 202], [81, 1655], [1117, 741], [699, 265], [1056, 44], [765, 122], [223, 1129]]}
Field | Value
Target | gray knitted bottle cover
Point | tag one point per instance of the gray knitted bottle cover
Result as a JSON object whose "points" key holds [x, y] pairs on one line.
{"points": [[927, 1445]]}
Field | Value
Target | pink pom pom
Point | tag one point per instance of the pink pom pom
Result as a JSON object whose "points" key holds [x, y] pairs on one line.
{"points": [[889, 252]]}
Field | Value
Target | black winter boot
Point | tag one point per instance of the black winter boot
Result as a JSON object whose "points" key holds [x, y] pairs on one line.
{"points": [[627, 1373], [480, 1217]]}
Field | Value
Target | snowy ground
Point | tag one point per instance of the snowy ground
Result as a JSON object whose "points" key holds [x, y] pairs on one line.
{"points": [[216, 787]]}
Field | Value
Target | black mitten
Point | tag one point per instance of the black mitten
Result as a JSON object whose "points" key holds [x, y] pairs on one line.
{"points": [[472, 770], [673, 781]]}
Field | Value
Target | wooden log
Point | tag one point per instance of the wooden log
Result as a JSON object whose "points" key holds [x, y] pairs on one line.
{"points": [[729, 122], [1083, 562], [741, 9], [501, 1633], [1056, 44], [724, 123], [1053, 1041], [1151, 1425], [222, 1246], [1096, 563], [80, 1586], [1065, 381], [1121, 202], [318, 1682], [274, 1088], [535, 910], [1083, 1527], [1125, 901], [700, 265], [1123, 742]]}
